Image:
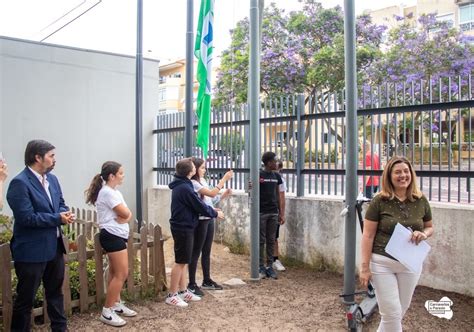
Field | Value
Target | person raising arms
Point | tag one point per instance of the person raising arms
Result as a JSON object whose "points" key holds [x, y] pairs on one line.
{"points": [[204, 232]]}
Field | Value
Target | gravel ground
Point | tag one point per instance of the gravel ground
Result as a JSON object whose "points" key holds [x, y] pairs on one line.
{"points": [[301, 299]]}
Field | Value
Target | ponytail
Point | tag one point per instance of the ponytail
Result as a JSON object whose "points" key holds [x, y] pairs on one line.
{"points": [[93, 192]]}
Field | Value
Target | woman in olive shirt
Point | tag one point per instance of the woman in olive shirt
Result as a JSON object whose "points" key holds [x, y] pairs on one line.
{"points": [[400, 201]]}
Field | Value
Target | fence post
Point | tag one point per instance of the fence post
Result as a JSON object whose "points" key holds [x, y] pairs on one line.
{"points": [[99, 271], [7, 305], [151, 253], [159, 265], [83, 280], [66, 282], [300, 155], [144, 257], [131, 261]]}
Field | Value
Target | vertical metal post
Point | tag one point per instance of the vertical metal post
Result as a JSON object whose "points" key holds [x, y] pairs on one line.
{"points": [[254, 89], [188, 126], [139, 114], [301, 153], [351, 144]]}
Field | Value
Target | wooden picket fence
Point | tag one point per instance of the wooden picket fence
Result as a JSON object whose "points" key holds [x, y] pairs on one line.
{"points": [[146, 245]]}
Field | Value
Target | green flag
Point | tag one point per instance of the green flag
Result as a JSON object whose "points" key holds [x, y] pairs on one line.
{"points": [[203, 51]]}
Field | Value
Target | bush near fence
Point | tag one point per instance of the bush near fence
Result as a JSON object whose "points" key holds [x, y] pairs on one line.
{"points": [[83, 287]]}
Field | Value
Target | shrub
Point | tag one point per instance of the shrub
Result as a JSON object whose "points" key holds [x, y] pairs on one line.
{"points": [[74, 278], [5, 229]]}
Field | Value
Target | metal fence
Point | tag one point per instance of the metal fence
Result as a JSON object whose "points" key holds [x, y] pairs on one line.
{"points": [[427, 121]]}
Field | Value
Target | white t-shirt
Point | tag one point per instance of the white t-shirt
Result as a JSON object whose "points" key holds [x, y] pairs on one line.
{"points": [[106, 201], [208, 200], [282, 187]]}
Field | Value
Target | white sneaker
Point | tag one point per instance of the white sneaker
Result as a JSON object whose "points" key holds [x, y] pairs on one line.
{"points": [[277, 265], [121, 309], [109, 317], [175, 300], [187, 296]]}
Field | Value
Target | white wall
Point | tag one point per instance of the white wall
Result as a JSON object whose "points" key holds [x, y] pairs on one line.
{"points": [[81, 101]]}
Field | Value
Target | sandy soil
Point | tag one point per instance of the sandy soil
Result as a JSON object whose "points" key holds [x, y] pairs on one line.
{"points": [[301, 299]]}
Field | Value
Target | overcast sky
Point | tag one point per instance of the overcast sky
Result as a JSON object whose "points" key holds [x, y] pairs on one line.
{"points": [[111, 25]]}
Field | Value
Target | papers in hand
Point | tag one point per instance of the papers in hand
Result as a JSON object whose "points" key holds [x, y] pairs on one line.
{"points": [[406, 252]]}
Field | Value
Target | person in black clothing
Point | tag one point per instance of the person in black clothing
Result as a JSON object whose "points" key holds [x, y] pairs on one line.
{"points": [[269, 212], [186, 206]]}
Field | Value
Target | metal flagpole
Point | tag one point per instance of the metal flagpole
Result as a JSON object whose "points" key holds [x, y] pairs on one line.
{"points": [[254, 107], [351, 152], [188, 127], [139, 114]]}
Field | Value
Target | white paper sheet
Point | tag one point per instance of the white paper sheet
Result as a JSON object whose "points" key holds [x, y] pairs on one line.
{"points": [[405, 251]]}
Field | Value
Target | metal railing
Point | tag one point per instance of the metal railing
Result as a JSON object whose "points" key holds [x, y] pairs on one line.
{"points": [[429, 122]]}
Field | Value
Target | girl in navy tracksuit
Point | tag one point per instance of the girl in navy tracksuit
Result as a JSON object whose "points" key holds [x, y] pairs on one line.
{"points": [[186, 206]]}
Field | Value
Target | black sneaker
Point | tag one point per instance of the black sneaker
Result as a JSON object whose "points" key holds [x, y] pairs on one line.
{"points": [[262, 272], [211, 285], [271, 273], [195, 290]]}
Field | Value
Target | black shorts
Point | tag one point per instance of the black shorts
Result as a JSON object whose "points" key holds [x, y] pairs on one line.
{"points": [[111, 242], [183, 246]]}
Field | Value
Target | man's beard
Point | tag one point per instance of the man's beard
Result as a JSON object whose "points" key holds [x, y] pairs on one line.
{"points": [[49, 169]]}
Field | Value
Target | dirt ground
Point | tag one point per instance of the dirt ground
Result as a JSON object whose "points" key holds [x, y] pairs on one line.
{"points": [[301, 299]]}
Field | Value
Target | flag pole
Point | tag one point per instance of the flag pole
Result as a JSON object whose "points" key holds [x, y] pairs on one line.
{"points": [[188, 128], [351, 144], [139, 115], [254, 107]]}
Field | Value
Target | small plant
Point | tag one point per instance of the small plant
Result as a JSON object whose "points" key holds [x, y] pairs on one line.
{"points": [[5, 229], [75, 285]]}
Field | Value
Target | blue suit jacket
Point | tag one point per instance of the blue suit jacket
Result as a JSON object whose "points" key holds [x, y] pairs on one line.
{"points": [[36, 218]]}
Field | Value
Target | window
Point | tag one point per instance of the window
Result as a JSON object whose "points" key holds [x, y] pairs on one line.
{"points": [[162, 94], [448, 18], [173, 92], [280, 138], [466, 17], [328, 138]]}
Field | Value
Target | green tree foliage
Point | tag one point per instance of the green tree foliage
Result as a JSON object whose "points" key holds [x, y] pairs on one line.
{"points": [[301, 51]]}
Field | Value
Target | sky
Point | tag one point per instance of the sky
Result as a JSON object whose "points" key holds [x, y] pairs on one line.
{"points": [[111, 24]]}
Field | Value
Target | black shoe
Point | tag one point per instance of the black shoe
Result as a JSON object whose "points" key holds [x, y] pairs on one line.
{"points": [[211, 285], [271, 273], [262, 272], [195, 290]]}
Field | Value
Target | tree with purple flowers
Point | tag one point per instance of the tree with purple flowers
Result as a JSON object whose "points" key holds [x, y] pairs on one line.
{"points": [[427, 62], [301, 51]]}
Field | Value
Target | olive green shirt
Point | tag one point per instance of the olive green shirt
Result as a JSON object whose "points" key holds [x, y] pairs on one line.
{"points": [[390, 212]]}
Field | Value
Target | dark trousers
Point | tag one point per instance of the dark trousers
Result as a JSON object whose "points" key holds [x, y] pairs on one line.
{"points": [[268, 227], [203, 237], [30, 276]]}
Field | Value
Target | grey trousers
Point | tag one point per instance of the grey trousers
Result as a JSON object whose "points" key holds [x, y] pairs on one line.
{"points": [[268, 226]]}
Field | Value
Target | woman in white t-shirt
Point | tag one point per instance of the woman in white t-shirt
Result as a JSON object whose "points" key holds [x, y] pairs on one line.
{"points": [[113, 216], [204, 232]]}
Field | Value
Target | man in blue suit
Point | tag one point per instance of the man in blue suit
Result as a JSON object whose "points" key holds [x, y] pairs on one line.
{"points": [[37, 247]]}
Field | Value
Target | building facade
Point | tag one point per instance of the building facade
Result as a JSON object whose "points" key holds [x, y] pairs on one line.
{"points": [[459, 13]]}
